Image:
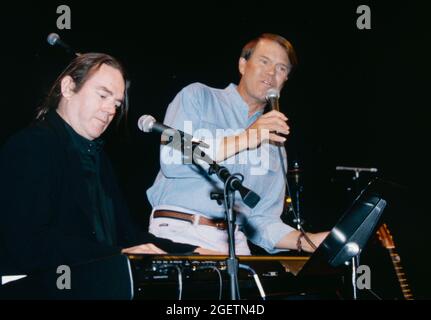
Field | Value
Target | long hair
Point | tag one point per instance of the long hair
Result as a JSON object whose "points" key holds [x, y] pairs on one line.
{"points": [[249, 48], [80, 70]]}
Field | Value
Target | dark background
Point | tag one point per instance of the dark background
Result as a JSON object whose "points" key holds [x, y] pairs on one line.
{"points": [[358, 98]]}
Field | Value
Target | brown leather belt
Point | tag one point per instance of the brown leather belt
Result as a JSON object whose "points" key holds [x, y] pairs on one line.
{"points": [[219, 224]]}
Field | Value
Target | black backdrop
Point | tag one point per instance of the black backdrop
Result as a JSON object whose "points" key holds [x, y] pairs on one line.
{"points": [[358, 97]]}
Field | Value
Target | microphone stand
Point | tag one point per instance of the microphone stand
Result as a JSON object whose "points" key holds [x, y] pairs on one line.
{"points": [[231, 184]]}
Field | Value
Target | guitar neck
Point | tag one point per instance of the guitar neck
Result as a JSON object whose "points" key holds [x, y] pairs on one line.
{"points": [[396, 261]]}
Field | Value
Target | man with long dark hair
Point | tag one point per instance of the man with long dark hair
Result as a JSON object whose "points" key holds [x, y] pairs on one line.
{"points": [[59, 200]]}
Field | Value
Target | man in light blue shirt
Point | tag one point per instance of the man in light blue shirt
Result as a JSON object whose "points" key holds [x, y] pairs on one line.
{"points": [[243, 139]]}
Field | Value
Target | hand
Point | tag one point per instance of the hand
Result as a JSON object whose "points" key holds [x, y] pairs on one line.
{"points": [[264, 128], [148, 248], [316, 238], [208, 252], [290, 241], [273, 122]]}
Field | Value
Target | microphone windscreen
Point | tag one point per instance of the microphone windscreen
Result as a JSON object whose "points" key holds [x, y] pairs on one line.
{"points": [[53, 38], [272, 93], [145, 123]]}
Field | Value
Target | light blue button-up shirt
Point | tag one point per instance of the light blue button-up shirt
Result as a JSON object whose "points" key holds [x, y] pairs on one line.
{"points": [[209, 114]]}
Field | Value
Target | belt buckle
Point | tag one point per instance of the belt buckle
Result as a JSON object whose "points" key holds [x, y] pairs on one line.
{"points": [[195, 219], [220, 225]]}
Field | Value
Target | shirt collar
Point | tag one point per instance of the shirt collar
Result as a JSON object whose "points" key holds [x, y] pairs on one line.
{"points": [[85, 146], [239, 102]]}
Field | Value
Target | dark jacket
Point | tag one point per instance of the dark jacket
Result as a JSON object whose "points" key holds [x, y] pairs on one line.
{"points": [[45, 216]]}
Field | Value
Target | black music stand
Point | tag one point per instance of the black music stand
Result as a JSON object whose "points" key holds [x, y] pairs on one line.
{"points": [[351, 233]]}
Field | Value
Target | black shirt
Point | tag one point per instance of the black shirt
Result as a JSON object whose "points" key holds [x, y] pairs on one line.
{"points": [[101, 203]]}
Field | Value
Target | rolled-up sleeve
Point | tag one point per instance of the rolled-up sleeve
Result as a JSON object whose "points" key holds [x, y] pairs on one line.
{"points": [[263, 225]]}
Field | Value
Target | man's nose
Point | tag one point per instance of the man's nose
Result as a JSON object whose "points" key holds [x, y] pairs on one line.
{"points": [[271, 69], [109, 107]]}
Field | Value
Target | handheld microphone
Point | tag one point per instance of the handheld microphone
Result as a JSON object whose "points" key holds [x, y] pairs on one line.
{"points": [[272, 96], [147, 123], [54, 40]]}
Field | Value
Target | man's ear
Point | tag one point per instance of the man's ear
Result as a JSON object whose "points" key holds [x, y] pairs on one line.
{"points": [[67, 87], [241, 65]]}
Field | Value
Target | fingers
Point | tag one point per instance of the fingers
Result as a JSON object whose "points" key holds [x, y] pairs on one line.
{"points": [[203, 251], [153, 248], [279, 127], [276, 114], [317, 238], [272, 121], [147, 248], [271, 126], [276, 138], [273, 132]]}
